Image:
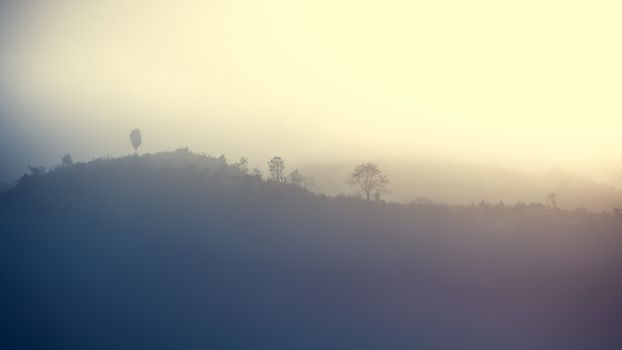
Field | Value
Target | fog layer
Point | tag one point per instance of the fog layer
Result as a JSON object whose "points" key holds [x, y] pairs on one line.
{"points": [[529, 85]]}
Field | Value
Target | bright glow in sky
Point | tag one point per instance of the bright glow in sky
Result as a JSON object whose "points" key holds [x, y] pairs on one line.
{"points": [[527, 84]]}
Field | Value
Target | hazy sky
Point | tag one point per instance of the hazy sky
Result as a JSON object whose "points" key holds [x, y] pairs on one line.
{"points": [[526, 84]]}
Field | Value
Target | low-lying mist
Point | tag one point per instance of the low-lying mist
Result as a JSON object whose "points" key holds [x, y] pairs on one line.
{"points": [[469, 183]]}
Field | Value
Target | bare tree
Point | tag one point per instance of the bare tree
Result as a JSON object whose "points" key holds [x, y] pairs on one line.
{"points": [[276, 168], [552, 197], [369, 179], [136, 138]]}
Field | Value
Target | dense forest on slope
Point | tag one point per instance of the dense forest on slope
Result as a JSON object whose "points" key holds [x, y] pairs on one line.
{"points": [[179, 250]]}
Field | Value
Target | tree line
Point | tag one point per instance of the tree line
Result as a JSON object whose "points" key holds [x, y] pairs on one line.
{"points": [[368, 180]]}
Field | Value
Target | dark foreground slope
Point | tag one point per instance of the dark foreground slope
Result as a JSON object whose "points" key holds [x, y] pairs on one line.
{"points": [[5, 186], [179, 251]]}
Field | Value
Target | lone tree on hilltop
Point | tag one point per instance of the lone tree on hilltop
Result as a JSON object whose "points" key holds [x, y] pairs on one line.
{"points": [[369, 179], [137, 139], [276, 168]]}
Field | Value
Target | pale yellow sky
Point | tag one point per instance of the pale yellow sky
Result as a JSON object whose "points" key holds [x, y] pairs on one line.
{"points": [[526, 84]]}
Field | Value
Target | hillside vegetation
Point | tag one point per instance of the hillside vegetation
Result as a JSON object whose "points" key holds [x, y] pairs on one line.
{"points": [[183, 251], [465, 183]]}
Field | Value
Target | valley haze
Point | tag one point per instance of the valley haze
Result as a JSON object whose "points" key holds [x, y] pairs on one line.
{"points": [[310, 175]]}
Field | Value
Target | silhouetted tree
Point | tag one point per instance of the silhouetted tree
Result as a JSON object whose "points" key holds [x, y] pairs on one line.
{"points": [[422, 201], [276, 168], [37, 170], [296, 178], [483, 204], [369, 179], [257, 172], [34, 171], [242, 165], [66, 161], [552, 197], [136, 138]]}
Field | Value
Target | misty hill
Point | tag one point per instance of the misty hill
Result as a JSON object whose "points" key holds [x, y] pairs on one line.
{"points": [[464, 183], [178, 250]]}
